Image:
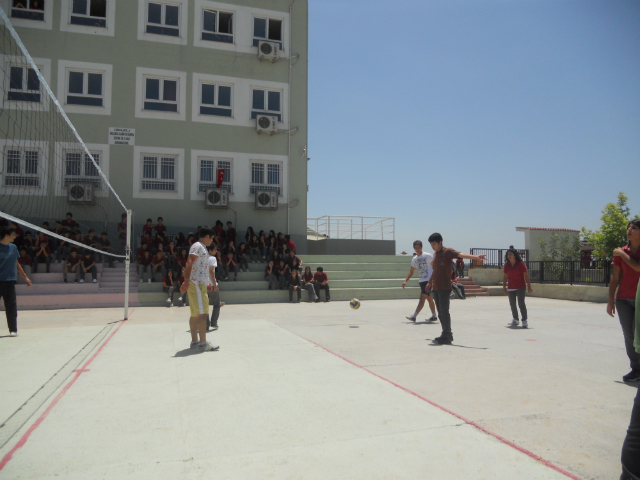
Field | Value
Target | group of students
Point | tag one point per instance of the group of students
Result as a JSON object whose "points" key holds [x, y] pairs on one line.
{"points": [[288, 276], [41, 249]]}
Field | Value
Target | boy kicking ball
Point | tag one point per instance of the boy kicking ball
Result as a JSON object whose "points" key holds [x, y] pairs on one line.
{"points": [[422, 262], [440, 283]]}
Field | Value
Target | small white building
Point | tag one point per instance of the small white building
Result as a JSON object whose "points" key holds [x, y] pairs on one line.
{"points": [[533, 235]]}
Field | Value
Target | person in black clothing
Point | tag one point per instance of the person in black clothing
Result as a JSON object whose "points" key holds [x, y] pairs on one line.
{"points": [[294, 285]]}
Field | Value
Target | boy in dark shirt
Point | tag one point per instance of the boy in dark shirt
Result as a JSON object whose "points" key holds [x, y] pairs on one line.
{"points": [[321, 282], [148, 240], [440, 283], [43, 254], [294, 285], [88, 264], [307, 280], [72, 263], [230, 263], [143, 263], [29, 245], [69, 224], [270, 275], [160, 227], [105, 245], [148, 227], [25, 261], [157, 263], [231, 233]]}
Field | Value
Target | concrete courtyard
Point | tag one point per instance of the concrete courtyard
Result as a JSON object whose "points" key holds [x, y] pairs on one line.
{"points": [[316, 391]]}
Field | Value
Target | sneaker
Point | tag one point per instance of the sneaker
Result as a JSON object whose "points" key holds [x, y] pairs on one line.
{"points": [[13, 334], [433, 318], [75, 281], [64, 281], [168, 300], [207, 347], [214, 327], [525, 324], [515, 322], [442, 340], [95, 281], [81, 281], [171, 304], [411, 317], [194, 344], [632, 376], [180, 298]]}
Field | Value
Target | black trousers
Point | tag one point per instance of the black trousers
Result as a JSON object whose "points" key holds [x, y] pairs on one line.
{"points": [[442, 300], [8, 293], [319, 287], [299, 290], [627, 314], [631, 446], [517, 295]]}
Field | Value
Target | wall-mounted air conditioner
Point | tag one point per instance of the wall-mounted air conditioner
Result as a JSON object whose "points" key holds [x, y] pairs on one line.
{"points": [[266, 124], [268, 51], [216, 198], [266, 200], [80, 193]]}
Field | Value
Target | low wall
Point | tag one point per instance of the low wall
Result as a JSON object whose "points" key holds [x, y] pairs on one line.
{"points": [[486, 276], [333, 246], [577, 293]]}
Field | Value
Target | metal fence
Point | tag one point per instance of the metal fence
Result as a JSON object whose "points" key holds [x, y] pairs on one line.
{"points": [[495, 257], [570, 272], [354, 228]]}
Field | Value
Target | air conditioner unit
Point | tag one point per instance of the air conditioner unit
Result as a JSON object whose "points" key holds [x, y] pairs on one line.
{"points": [[80, 193], [268, 50], [266, 124], [266, 200], [216, 198]]}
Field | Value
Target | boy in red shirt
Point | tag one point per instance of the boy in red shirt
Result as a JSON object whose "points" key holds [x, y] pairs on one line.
{"points": [[229, 263], [43, 253], [25, 261], [143, 263], [157, 263], [321, 282], [440, 283], [160, 227]]}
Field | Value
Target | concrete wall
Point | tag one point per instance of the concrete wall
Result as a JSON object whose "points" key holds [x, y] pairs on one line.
{"points": [[485, 277], [351, 247]]}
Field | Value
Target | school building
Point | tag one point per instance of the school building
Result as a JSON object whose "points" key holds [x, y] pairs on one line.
{"points": [[196, 110]]}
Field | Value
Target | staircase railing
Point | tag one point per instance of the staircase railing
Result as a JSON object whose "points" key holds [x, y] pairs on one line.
{"points": [[353, 228]]}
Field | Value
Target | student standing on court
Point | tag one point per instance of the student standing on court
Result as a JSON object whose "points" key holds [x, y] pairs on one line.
{"points": [[9, 266], [214, 295], [515, 272], [440, 283], [631, 447], [422, 262], [196, 280], [624, 278]]}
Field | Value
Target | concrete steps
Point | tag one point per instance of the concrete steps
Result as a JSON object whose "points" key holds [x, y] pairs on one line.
{"points": [[364, 277]]}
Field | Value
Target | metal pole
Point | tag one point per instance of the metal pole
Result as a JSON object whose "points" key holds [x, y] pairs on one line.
{"points": [[362, 228], [329, 226], [127, 260]]}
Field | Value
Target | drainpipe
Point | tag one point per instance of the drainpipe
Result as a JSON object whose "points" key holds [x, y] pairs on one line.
{"points": [[289, 108]]}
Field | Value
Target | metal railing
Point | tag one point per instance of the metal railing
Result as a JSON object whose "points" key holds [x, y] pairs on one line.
{"points": [[353, 228], [495, 257], [570, 272]]}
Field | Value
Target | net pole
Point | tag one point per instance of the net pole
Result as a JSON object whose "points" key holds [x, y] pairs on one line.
{"points": [[127, 262]]}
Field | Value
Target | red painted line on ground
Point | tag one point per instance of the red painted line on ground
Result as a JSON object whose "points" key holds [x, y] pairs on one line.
{"points": [[538, 458], [7, 458], [531, 340]]}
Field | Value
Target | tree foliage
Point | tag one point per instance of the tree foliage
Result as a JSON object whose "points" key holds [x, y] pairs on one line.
{"points": [[613, 232], [560, 247]]}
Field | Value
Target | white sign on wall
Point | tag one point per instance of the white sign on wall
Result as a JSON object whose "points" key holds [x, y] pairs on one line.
{"points": [[122, 136]]}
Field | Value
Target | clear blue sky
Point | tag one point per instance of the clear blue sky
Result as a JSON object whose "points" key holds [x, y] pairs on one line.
{"points": [[473, 117]]}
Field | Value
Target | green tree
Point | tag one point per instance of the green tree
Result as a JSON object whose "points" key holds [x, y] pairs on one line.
{"points": [[613, 232], [560, 247]]}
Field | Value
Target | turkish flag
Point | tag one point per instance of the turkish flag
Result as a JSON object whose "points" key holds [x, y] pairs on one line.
{"points": [[220, 176]]}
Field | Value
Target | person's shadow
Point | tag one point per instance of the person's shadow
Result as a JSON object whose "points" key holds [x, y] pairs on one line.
{"points": [[187, 352]]}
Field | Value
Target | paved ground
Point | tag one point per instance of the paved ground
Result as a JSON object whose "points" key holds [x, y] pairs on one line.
{"points": [[315, 391]]}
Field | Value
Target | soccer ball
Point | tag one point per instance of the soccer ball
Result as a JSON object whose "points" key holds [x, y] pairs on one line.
{"points": [[355, 303]]}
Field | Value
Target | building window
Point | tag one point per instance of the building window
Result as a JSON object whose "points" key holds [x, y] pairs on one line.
{"points": [[163, 19], [266, 102], [22, 167], [215, 100], [28, 9], [84, 88], [217, 26], [267, 29], [24, 84], [90, 13], [208, 173], [160, 94], [159, 173], [78, 168], [266, 176]]}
